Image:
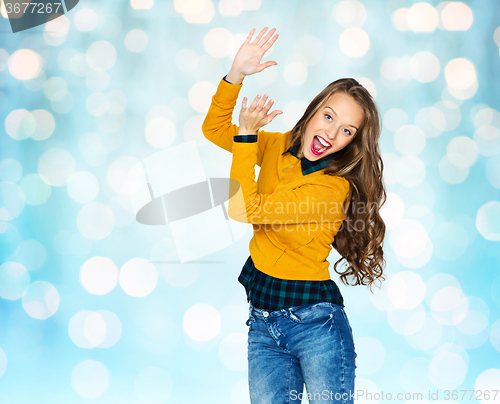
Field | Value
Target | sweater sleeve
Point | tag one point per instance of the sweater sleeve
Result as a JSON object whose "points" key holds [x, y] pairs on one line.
{"points": [[218, 127], [316, 201]]}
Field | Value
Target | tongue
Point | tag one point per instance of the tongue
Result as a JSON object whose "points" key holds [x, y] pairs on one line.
{"points": [[317, 144]]}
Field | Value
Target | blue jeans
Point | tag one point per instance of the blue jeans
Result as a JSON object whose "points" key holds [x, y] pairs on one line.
{"points": [[311, 344]]}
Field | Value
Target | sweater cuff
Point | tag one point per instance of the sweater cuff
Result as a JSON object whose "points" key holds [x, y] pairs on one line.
{"points": [[224, 78], [227, 93], [245, 138]]}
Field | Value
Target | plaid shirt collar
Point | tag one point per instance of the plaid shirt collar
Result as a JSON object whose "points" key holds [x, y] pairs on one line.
{"points": [[309, 167]]}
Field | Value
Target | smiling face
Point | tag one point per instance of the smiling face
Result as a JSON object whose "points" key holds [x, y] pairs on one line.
{"points": [[335, 125]]}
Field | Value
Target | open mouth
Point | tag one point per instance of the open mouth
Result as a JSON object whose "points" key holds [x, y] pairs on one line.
{"points": [[319, 145]]}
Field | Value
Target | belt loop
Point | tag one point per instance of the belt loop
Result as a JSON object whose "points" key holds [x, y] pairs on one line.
{"points": [[292, 314], [250, 314]]}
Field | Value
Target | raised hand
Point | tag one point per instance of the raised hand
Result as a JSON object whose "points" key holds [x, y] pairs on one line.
{"points": [[248, 57], [255, 116]]}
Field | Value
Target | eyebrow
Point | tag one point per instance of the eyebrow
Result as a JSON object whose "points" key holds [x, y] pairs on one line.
{"points": [[352, 126]]}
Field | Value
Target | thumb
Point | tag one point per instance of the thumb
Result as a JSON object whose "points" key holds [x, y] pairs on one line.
{"points": [[275, 114], [266, 65]]}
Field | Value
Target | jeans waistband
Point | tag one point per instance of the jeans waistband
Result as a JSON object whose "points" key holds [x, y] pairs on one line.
{"points": [[260, 312], [272, 313]]}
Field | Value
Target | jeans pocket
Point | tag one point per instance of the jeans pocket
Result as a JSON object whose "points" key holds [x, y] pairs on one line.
{"points": [[311, 313]]}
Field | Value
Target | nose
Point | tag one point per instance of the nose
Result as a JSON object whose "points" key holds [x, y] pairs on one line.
{"points": [[331, 133]]}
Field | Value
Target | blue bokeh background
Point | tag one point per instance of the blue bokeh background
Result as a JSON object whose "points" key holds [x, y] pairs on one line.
{"points": [[96, 307]]}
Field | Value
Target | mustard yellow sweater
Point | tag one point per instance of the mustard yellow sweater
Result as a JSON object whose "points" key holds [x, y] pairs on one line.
{"points": [[295, 217]]}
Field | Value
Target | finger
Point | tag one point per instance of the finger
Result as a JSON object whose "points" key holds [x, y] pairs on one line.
{"points": [[244, 103], [257, 39], [249, 37], [254, 103], [262, 102], [271, 42], [268, 106], [266, 38]]}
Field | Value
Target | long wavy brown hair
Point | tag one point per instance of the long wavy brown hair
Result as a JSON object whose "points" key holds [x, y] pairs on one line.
{"points": [[361, 164]]}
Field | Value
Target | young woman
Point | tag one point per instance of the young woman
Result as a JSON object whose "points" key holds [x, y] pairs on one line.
{"points": [[320, 185]]}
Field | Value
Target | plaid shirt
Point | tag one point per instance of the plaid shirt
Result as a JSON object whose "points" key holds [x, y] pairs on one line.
{"points": [[270, 293]]}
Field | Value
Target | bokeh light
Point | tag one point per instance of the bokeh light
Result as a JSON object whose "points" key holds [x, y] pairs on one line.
{"points": [[99, 275], [443, 305], [202, 322], [407, 322], [488, 220], [95, 221], [56, 166], [96, 305], [431, 121], [101, 56], [409, 171], [20, 124], [12, 202], [428, 336], [409, 140], [350, 13], [25, 64], [138, 277], [354, 42], [461, 77], [14, 280], [486, 381], [424, 67], [160, 132], [406, 290], [456, 16], [56, 30], [422, 17], [392, 211], [136, 40], [41, 300], [95, 329], [86, 20]]}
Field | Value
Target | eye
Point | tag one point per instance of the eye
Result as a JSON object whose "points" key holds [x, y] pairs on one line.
{"points": [[328, 116], [348, 132]]}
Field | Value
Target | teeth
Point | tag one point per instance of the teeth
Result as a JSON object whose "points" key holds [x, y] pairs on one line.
{"points": [[323, 142]]}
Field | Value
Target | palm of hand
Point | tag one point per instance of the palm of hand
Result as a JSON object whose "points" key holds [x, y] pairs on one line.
{"points": [[248, 57]]}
